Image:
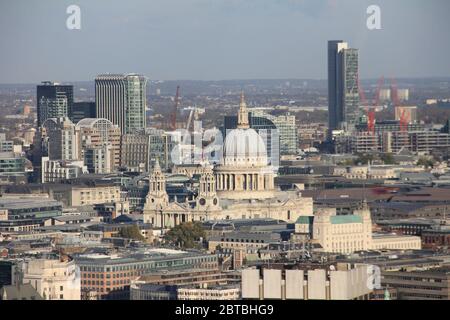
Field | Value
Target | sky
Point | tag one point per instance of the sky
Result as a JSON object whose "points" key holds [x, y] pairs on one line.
{"points": [[219, 39]]}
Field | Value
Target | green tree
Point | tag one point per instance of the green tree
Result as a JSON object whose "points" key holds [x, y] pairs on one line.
{"points": [[364, 159], [186, 235], [388, 158], [426, 162], [131, 232]]}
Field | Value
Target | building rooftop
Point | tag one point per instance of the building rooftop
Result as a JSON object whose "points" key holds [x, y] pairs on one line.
{"points": [[132, 256]]}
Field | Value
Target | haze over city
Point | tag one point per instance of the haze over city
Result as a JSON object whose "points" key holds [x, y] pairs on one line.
{"points": [[219, 39]]}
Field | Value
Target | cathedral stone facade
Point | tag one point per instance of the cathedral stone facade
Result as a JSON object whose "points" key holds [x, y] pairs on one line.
{"points": [[241, 187]]}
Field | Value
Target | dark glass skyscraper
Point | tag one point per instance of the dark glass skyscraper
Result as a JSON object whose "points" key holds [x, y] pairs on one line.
{"points": [[343, 90], [83, 110], [53, 100]]}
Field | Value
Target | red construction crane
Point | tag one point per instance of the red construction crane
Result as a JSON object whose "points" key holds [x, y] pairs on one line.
{"points": [[370, 110], [173, 117], [376, 102], [403, 121]]}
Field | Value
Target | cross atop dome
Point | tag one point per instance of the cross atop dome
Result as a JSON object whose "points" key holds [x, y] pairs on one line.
{"points": [[243, 114]]}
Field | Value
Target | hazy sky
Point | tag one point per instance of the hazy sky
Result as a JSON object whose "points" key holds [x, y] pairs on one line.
{"points": [[219, 39]]}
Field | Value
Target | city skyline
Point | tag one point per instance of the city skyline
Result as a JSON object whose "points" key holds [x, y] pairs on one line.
{"points": [[199, 40]]}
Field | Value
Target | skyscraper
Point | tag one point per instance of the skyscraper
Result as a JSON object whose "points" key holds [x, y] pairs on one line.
{"points": [[53, 101], [122, 100], [343, 91], [83, 110]]}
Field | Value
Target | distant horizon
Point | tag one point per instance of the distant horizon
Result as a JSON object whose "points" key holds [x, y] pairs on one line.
{"points": [[237, 80]]}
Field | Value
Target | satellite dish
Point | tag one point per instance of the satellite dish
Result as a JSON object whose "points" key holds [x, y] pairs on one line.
{"points": [[332, 268]]}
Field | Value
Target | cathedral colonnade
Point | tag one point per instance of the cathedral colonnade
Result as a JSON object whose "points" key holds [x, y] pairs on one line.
{"points": [[244, 181]]}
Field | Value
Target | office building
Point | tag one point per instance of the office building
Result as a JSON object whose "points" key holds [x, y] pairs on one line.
{"points": [[53, 101], [61, 139], [141, 148], [58, 170], [31, 208], [287, 130], [343, 88], [417, 284], [350, 233], [122, 100], [111, 275], [99, 159], [83, 110], [11, 163], [100, 140]]}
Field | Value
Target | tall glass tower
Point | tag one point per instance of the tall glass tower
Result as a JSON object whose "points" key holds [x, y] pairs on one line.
{"points": [[122, 100], [343, 90]]}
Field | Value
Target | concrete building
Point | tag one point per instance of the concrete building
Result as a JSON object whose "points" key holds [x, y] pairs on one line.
{"points": [[334, 282], [395, 242], [58, 170], [223, 292], [61, 139], [141, 148], [54, 279], [122, 100], [350, 233], [100, 159], [97, 136]]}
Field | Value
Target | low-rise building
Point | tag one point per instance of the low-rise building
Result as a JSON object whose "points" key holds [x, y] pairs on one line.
{"points": [[430, 284], [111, 275], [320, 282], [54, 279]]}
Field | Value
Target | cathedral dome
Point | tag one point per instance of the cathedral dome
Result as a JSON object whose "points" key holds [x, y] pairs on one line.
{"points": [[244, 147]]}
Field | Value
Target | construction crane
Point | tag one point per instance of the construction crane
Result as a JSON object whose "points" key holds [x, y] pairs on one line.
{"points": [[173, 117], [369, 112], [192, 114], [403, 121], [376, 102]]}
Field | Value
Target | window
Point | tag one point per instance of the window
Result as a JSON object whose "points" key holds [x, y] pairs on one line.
{"points": [[61, 288]]}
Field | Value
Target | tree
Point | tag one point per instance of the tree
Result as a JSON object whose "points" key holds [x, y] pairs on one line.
{"points": [[186, 235], [388, 158], [131, 232], [426, 162]]}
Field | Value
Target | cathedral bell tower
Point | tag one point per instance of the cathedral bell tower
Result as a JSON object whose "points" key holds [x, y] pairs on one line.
{"points": [[207, 196], [157, 196]]}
